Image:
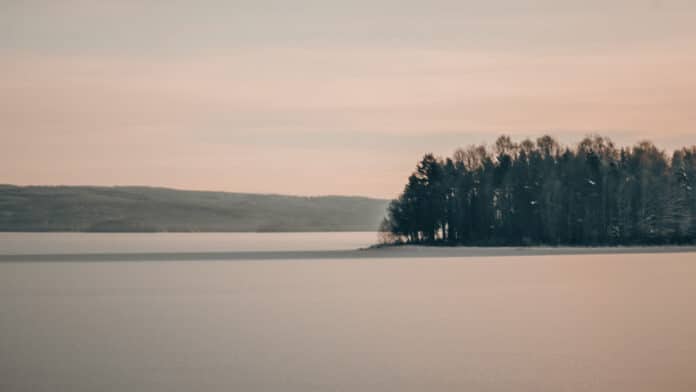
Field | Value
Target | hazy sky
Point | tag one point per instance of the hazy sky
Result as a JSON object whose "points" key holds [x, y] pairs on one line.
{"points": [[325, 97]]}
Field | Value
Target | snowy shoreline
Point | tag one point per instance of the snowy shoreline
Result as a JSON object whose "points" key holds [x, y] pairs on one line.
{"points": [[403, 251]]}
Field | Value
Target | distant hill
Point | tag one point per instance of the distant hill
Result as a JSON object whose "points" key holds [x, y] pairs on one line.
{"points": [[145, 209]]}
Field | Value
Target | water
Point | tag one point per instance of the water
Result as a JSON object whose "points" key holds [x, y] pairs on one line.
{"points": [[51, 243], [534, 323]]}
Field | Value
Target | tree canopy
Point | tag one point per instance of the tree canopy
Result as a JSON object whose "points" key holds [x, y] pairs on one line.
{"points": [[539, 192]]}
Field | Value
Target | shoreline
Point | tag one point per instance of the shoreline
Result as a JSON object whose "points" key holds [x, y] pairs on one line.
{"points": [[386, 252]]}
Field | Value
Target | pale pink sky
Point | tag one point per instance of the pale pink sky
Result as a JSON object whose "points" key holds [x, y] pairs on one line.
{"points": [[325, 97]]}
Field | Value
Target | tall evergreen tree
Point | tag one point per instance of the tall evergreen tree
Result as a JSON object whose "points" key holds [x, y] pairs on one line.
{"points": [[541, 193]]}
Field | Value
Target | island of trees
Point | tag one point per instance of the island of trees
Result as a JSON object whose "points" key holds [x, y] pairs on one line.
{"points": [[540, 193]]}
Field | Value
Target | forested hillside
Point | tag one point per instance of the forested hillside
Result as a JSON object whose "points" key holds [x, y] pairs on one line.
{"points": [[542, 193], [159, 209]]}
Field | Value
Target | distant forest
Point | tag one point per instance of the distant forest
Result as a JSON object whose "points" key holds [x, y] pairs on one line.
{"points": [[533, 193], [145, 209]]}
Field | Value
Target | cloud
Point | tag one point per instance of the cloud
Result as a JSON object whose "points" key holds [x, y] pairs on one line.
{"points": [[165, 92]]}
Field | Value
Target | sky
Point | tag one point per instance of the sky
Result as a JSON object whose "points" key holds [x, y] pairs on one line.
{"points": [[326, 97]]}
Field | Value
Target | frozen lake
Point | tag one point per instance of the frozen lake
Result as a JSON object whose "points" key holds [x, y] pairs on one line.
{"points": [[52, 243], [611, 322]]}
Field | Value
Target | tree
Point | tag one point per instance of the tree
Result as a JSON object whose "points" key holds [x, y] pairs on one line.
{"points": [[541, 193]]}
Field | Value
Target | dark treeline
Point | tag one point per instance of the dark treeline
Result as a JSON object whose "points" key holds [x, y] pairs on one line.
{"points": [[541, 193]]}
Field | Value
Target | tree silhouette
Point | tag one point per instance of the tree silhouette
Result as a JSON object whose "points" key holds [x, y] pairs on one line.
{"points": [[537, 192]]}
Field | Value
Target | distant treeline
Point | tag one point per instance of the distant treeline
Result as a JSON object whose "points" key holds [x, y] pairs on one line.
{"points": [[542, 193], [146, 209]]}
